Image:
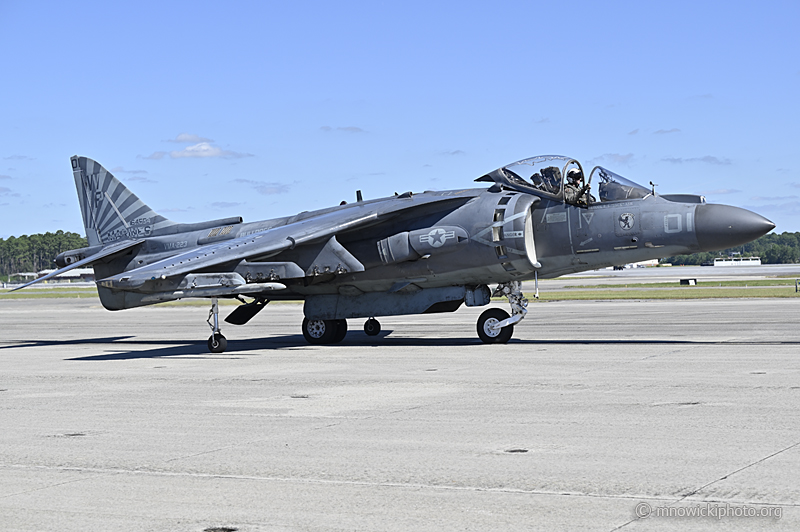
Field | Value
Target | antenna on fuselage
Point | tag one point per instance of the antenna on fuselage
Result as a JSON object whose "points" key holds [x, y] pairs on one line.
{"points": [[654, 185]]}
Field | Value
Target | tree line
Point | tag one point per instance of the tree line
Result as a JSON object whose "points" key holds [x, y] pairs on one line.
{"points": [[783, 248], [35, 252]]}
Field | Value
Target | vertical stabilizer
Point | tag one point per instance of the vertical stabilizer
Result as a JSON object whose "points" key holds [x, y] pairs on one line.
{"points": [[110, 211]]}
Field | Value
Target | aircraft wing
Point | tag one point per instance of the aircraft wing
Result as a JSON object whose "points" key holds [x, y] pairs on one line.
{"points": [[105, 252], [271, 241]]}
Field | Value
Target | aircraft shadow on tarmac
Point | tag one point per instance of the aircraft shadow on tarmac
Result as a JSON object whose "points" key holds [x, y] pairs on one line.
{"points": [[293, 341]]}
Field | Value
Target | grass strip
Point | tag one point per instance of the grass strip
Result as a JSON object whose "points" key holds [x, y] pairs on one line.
{"points": [[675, 284], [53, 293], [677, 293], [650, 291]]}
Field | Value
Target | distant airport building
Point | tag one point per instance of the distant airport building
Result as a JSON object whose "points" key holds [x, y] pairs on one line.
{"points": [[75, 275], [23, 276], [642, 264], [737, 261]]}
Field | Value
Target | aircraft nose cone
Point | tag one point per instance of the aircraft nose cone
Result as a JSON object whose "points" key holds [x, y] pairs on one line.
{"points": [[724, 226]]}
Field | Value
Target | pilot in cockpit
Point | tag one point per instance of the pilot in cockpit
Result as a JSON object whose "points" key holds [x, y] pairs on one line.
{"points": [[572, 188], [575, 192]]}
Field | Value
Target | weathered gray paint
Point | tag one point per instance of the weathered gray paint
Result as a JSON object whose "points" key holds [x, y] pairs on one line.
{"points": [[395, 255]]}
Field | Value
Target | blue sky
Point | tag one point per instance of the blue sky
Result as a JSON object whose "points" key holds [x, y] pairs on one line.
{"points": [[263, 109]]}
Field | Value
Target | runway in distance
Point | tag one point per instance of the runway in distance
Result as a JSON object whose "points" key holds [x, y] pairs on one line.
{"points": [[405, 254]]}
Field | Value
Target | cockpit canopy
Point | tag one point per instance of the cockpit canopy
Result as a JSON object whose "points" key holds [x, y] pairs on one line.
{"points": [[562, 178], [614, 187]]}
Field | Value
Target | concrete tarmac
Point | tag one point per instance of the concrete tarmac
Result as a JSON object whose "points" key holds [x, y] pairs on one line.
{"points": [[594, 411]]}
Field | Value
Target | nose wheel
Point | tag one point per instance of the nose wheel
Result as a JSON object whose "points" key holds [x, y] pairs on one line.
{"points": [[216, 343], [489, 332]]}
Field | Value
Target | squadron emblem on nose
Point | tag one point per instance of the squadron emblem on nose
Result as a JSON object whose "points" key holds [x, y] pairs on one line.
{"points": [[626, 221]]}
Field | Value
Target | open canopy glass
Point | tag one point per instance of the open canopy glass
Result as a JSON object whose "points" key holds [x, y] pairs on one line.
{"points": [[562, 178]]}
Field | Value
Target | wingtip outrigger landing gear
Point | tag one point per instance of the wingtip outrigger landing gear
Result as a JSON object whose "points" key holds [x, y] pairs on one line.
{"points": [[216, 343], [372, 327], [495, 326]]}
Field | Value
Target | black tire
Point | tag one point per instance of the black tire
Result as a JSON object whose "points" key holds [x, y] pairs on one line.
{"points": [[372, 327], [217, 343], [489, 318], [319, 332], [341, 331]]}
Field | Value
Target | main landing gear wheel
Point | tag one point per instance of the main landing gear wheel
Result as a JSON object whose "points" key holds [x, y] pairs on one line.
{"points": [[341, 331], [487, 330], [320, 331], [217, 343], [372, 327]]}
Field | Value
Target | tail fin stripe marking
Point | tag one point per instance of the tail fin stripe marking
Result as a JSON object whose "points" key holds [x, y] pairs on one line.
{"points": [[122, 218], [90, 218], [111, 212]]}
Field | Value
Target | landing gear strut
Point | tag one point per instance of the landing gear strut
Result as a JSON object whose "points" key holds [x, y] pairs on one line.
{"points": [[216, 343], [495, 326]]}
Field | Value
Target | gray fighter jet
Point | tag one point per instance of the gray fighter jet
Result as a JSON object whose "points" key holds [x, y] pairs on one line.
{"points": [[405, 254]]}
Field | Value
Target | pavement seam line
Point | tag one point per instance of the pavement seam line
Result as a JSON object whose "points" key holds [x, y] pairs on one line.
{"points": [[333, 482], [701, 488]]}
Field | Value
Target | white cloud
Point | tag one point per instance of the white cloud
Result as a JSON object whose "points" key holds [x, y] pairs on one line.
{"points": [[708, 159], [772, 198], [140, 179], [225, 204], [205, 149], [790, 207], [265, 188], [19, 158], [156, 155], [5, 177], [667, 131], [615, 158], [121, 170], [5, 191], [717, 191], [189, 138]]}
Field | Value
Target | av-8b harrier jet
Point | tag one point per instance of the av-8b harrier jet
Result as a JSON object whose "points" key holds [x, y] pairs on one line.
{"points": [[405, 254]]}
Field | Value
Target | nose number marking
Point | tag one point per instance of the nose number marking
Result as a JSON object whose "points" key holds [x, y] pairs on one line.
{"points": [[673, 223]]}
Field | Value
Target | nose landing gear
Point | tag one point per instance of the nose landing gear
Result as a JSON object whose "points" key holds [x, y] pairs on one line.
{"points": [[495, 326]]}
